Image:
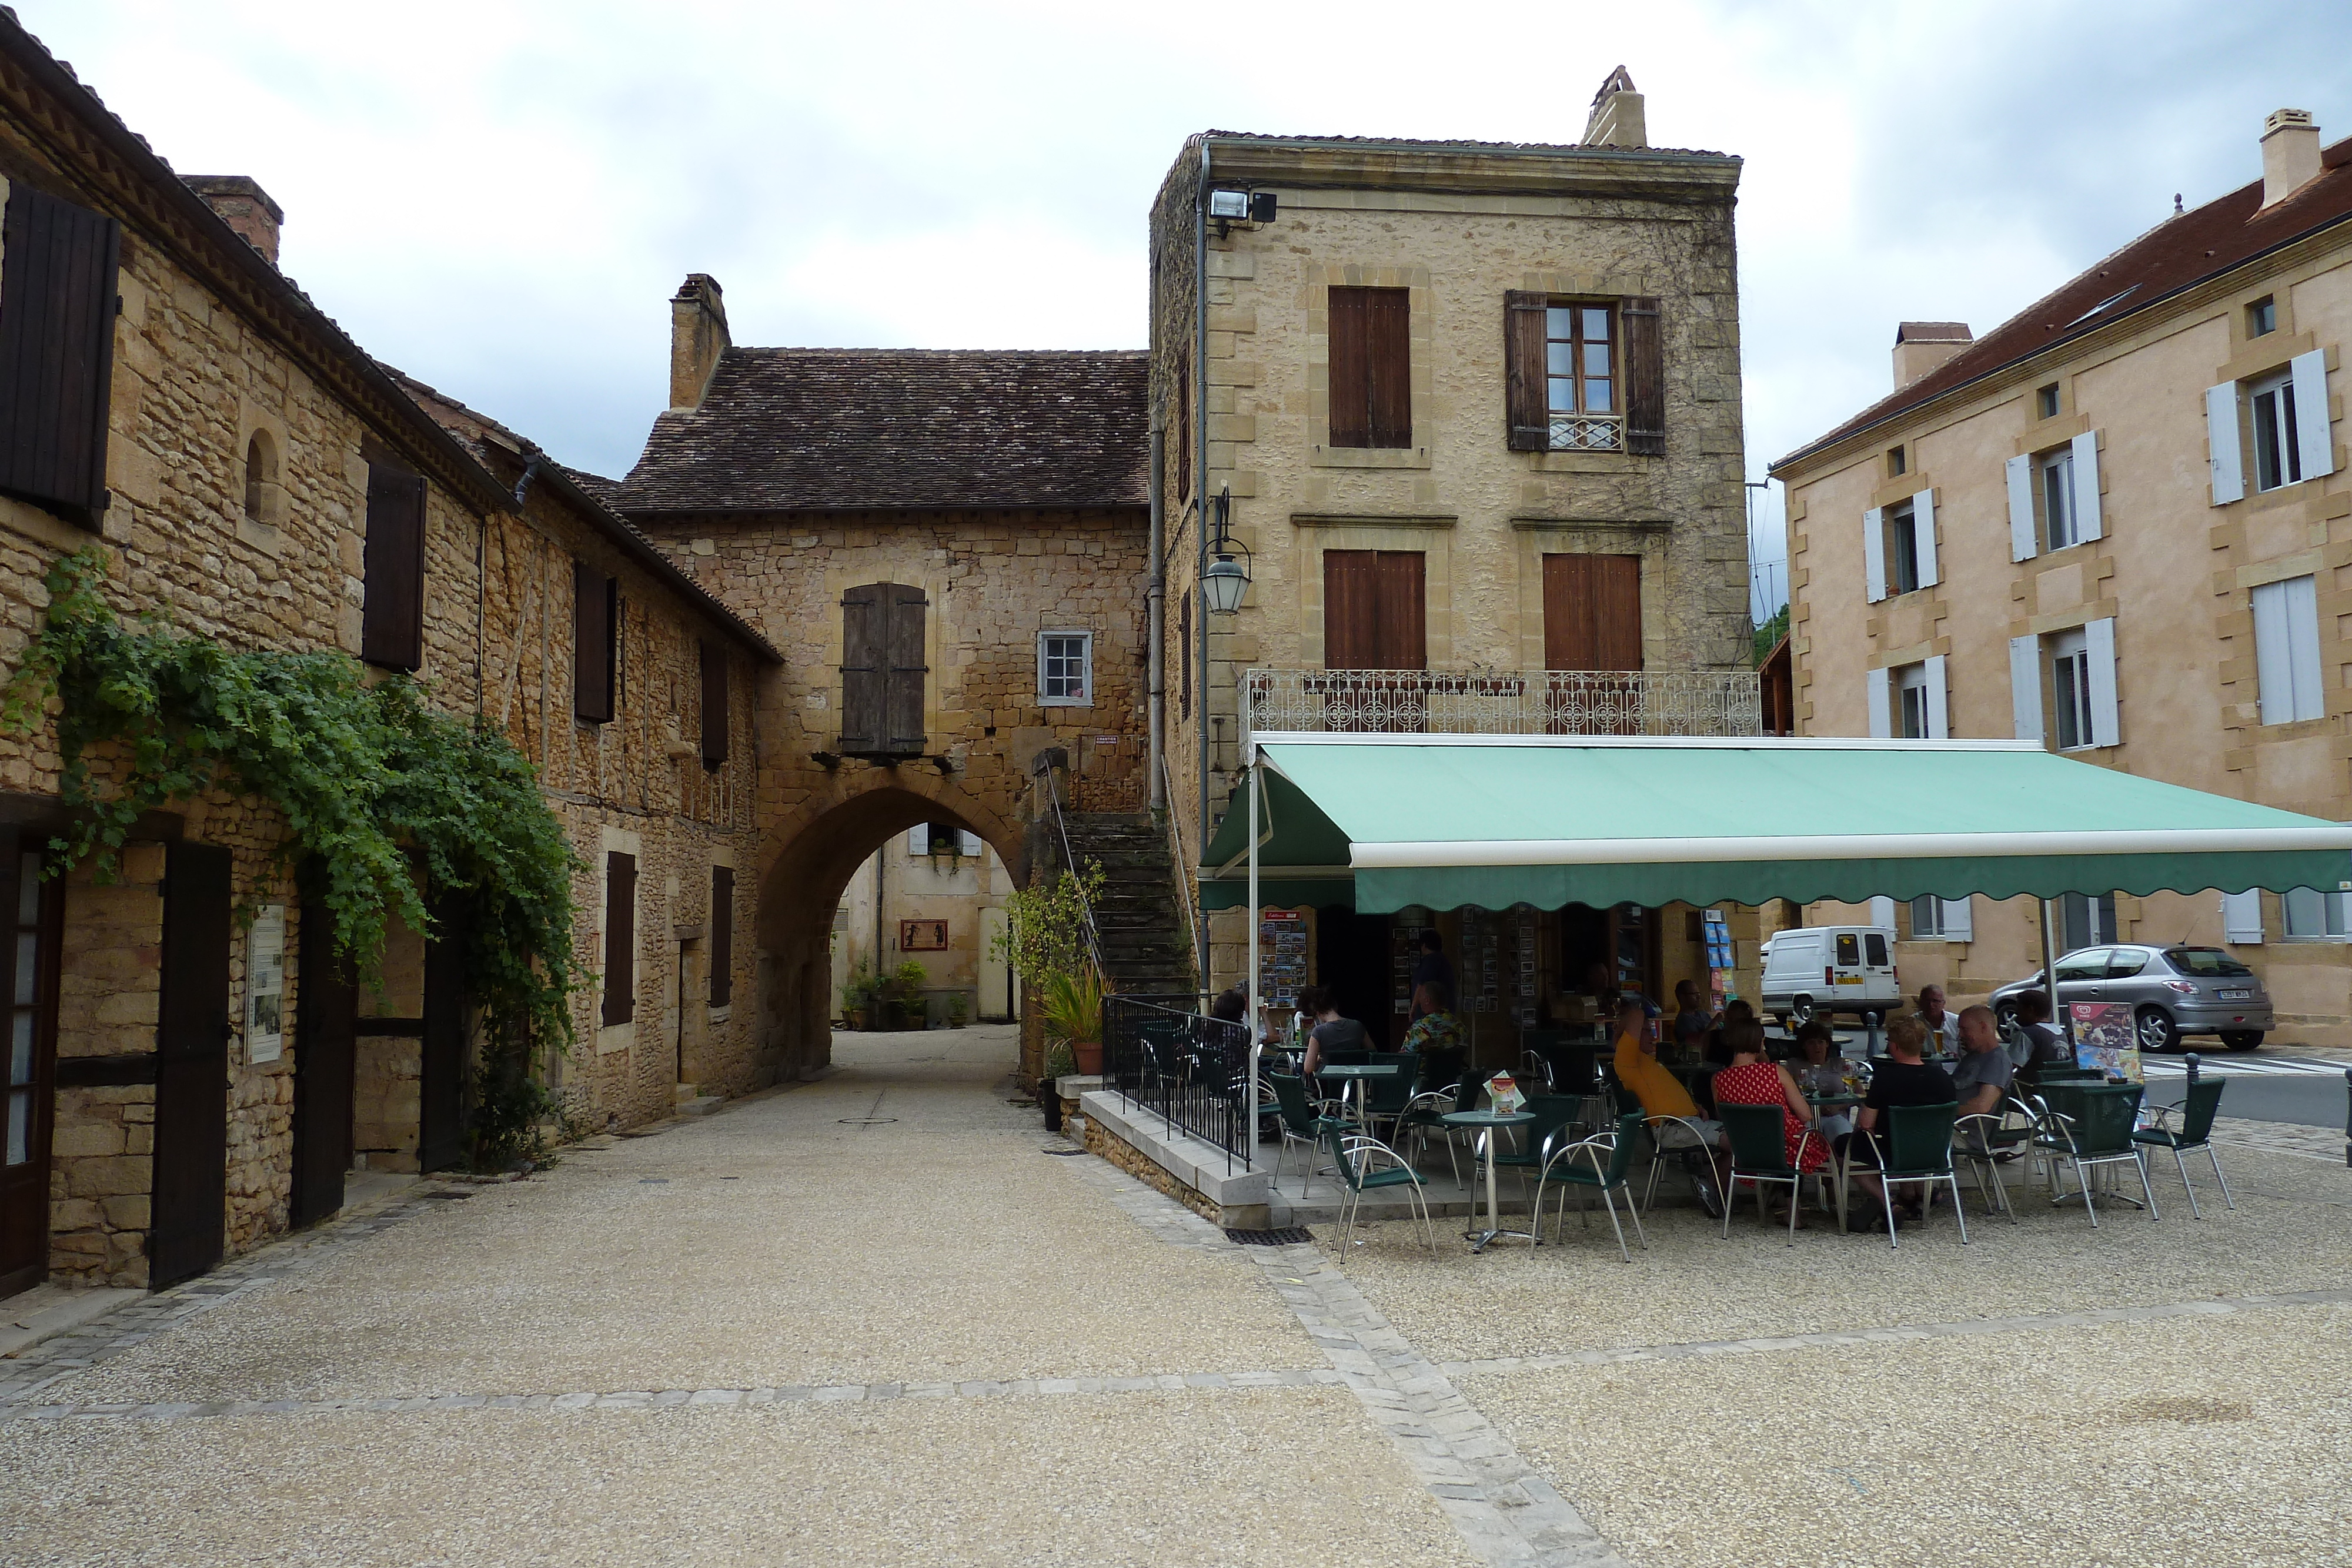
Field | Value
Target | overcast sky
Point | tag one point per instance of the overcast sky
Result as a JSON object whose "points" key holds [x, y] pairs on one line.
{"points": [[500, 195]]}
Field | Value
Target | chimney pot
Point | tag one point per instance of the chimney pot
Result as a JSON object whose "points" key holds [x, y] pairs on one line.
{"points": [[245, 206], [2290, 153], [1921, 345], [1617, 119], [697, 337]]}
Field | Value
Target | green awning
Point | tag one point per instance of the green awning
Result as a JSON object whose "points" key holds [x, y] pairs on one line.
{"points": [[1495, 820]]}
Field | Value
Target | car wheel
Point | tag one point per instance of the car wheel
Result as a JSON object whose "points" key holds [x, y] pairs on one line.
{"points": [[2156, 1030], [2243, 1039], [2004, 1021], [1801, 1012]]}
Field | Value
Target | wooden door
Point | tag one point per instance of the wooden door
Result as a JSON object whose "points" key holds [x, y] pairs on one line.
{"points": [[1592, 621], [1375, 617], [192, 1066], [441, 1087], [326, 1056], [28, 976]]}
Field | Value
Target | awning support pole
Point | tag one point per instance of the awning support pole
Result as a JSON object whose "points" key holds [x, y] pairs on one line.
{"points": [[2063, 1017], [1255, 1025]]}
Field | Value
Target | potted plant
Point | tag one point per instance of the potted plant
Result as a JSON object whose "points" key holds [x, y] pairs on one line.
{"points": [[1058, 1062], [1073, 1008], [959, 1009], [858, 999], [905, 988]]}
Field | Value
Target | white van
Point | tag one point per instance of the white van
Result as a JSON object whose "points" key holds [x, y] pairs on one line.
{"points": [[1822, 971]]}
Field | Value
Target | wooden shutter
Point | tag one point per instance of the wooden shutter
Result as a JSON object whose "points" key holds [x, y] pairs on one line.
{"points": [[592, 598], [2241, 918], [2025, 687], [714, 704], [57, 307], [1645, 378], [620, 938], [903, 701], [191, 1170], [2024, 542], [1350, 609], [863, 675], [325, 1059], [2087, 523], [442, 1057], [1593, 611], [1878, 692], [2226, 454], [1526, 395], [2313, 437], [1939, 709], [1923, 537], [1401, 609], [1387, 343], [722, 936], [393, 623], [1184, 653], [1351, 367], [2099, 644], [1874, 553]]}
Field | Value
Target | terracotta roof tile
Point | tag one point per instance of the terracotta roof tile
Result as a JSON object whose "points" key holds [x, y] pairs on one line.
{"points": [[2183, 250], [860, 429]]}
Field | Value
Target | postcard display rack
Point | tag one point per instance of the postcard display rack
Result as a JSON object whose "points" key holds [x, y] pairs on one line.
{"points": [[1498, 964], [1281, 956]]}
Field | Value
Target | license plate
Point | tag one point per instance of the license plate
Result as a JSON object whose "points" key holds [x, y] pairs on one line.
{"points": [[2235, 996]]}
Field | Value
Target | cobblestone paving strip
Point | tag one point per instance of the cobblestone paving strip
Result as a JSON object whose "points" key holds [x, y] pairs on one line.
{"points": [[2323, 1143]]}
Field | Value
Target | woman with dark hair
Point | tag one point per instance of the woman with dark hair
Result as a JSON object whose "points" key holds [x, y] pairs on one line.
{"points": [[1231, 1004], [1331, 1032], [1752, 1080]]}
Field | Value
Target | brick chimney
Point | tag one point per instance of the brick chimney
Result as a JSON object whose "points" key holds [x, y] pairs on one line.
{"points": [[2290, 153], [1921, 345], [245, 206], [1617, 120], [698, 336]]}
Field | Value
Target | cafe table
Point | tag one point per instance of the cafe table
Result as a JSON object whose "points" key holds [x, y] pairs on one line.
{"points": [[1830, 1106], [1352, 1079], [1486, 1123]]}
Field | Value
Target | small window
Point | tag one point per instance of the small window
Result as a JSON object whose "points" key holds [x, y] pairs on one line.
{"points": [[1911, 702], [1584, 390], [2126, 962], [2086, 920], [2286, 650], [620, 994], [2316, 916], [722, 936], [2278, 456], [714, 707], [261, 478], [1065, 669], [595, 603], [2059, 524], [1896, 464], [392, 618], [1849, 950], [2262, 318], [2070, 683], [939, 839], [2082, 965], [2206, 961], [1902, 548], [1926, 917], [1874, 945], [2045, 402]]}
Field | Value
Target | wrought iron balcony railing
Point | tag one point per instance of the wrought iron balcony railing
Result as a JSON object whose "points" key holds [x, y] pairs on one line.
{"points": [[1587, 433], [1507, 702]]}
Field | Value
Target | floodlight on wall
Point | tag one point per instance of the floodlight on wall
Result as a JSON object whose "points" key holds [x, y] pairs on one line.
{"points": [[1230, 207], [1227, 579]]}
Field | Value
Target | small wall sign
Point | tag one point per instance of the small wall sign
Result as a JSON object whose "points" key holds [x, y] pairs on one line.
{"points": [[264, 985], [922, 935]]}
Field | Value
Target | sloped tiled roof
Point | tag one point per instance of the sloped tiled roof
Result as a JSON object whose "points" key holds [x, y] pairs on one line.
{"points": [[883, 429], [2178, 252], [1439, 146]]}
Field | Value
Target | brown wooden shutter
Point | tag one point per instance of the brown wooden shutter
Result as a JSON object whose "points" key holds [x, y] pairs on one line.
{"points": [[1351, 367], [593, 596], [1593, 611], [442, 1074], [620, 938], [714, 705], [863, 675], [722, 936], [392, 629], [57, 308], [326, 1052], [1388, 341], [1645, 378], [1184, 431], [1526, 388], [1403, 616], [191, 1170], [1350, 609], [903, 706]]}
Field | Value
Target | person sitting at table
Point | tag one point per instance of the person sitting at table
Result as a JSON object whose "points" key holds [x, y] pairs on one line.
{"points": [[1820, 1071], [1694, 1025], [1432, 967], [1753, 1079], [1231, 1004], [2044, 1046], [1661, 1094], [1435, 1029], [1902, 1079], [1331, 1032], [1943, 1026], [1983, 1073]]}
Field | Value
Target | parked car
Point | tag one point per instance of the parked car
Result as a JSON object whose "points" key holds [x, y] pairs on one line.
{"points": [[2172, 991], [1820, 971]]}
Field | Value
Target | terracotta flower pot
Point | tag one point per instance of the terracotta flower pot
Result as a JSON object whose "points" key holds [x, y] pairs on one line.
{"points": [[1090, 1055]]}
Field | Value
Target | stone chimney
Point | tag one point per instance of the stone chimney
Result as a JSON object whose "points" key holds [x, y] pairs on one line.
{"points": [[245, 206], [1921, 345], [2290, 153], [1617, 120], [698, 336]]}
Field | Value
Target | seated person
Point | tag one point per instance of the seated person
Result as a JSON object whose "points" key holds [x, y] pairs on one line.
{"points": [[2043, 1045], [1942, 1024], [1661, 1094], [1231, 1003], [1753, 1079], [1983, 1073], [1902, 1079], [1694, 1025], [1820, 1070], [1436, 1031], [1333, 1038]]}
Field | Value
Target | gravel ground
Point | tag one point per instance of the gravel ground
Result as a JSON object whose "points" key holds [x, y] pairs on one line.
{"points": [[769, 1245], [1144, 1478], [2291, 1232], [2213, 1443]]}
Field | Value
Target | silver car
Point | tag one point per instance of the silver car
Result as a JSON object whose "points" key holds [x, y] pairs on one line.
{"points": [[2172, 991]]}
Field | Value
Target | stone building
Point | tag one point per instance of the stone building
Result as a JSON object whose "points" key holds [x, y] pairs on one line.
{"points": [[934, 894], [2119, 525], [946, 548], [1468, 409], [167, 394]]}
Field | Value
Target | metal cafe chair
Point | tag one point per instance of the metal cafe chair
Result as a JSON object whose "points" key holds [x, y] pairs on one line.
{"points": [[1568, 1168], [2090, 1125], [2195, 1132], [1355, 1155], [1759, 1152], [1917, 1145]]}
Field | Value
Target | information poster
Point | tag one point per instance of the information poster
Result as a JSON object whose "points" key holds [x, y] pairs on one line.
{"points": [[264, 985], [1281, 956], [2106, 1039]]}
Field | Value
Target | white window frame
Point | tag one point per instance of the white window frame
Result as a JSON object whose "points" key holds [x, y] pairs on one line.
{"points": [[1909, 717], [920, 841], [2287, 667], [2054, 489], [1927, 918], [2309, 915], [1903, 537], [2070, 685], [2273, 400], [1085, 697]]}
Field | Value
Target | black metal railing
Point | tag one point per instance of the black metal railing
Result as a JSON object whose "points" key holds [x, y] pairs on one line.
{"points": [[1188, 1070]]}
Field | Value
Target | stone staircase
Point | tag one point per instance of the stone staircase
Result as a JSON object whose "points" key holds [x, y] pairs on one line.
{"points": [[1146, 944]]}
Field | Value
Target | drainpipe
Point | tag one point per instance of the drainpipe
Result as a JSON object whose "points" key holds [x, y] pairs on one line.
{"points": [[881, 863], [1201, 491], [1155, 615]]}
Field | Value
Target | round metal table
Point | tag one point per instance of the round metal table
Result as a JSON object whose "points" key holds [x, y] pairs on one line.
{"points": [[1352, 1079], [1485, 1122]]}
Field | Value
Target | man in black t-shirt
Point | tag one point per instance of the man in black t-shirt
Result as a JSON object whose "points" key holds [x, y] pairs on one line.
{"points": [[1432, 968], [1903, 1080]]}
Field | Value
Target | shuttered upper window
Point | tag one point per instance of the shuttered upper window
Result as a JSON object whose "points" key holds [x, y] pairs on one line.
{"points": [[393, 624], [714, 705], [1370, 366], [882, 670], [1583, 375], [58, 264], [595, 613], [1375, 614], [1593, 611], [620, 995], [722, 936]]}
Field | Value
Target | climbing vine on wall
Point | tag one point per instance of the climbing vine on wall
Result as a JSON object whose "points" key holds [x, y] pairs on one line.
{"points": [[399, 803]]}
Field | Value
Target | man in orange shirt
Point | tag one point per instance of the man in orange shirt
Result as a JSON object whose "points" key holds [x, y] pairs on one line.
{"points": [[1675, 1121]]}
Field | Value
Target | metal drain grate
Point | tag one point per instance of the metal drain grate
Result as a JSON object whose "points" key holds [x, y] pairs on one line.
{"points": [[1282, 1238]]}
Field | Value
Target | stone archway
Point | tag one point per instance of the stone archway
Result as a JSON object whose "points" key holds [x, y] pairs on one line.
{"points": [[813, 854]]}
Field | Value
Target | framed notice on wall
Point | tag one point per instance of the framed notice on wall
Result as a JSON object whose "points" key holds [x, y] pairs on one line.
{"points": [[264, 985], [922, 935]]}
